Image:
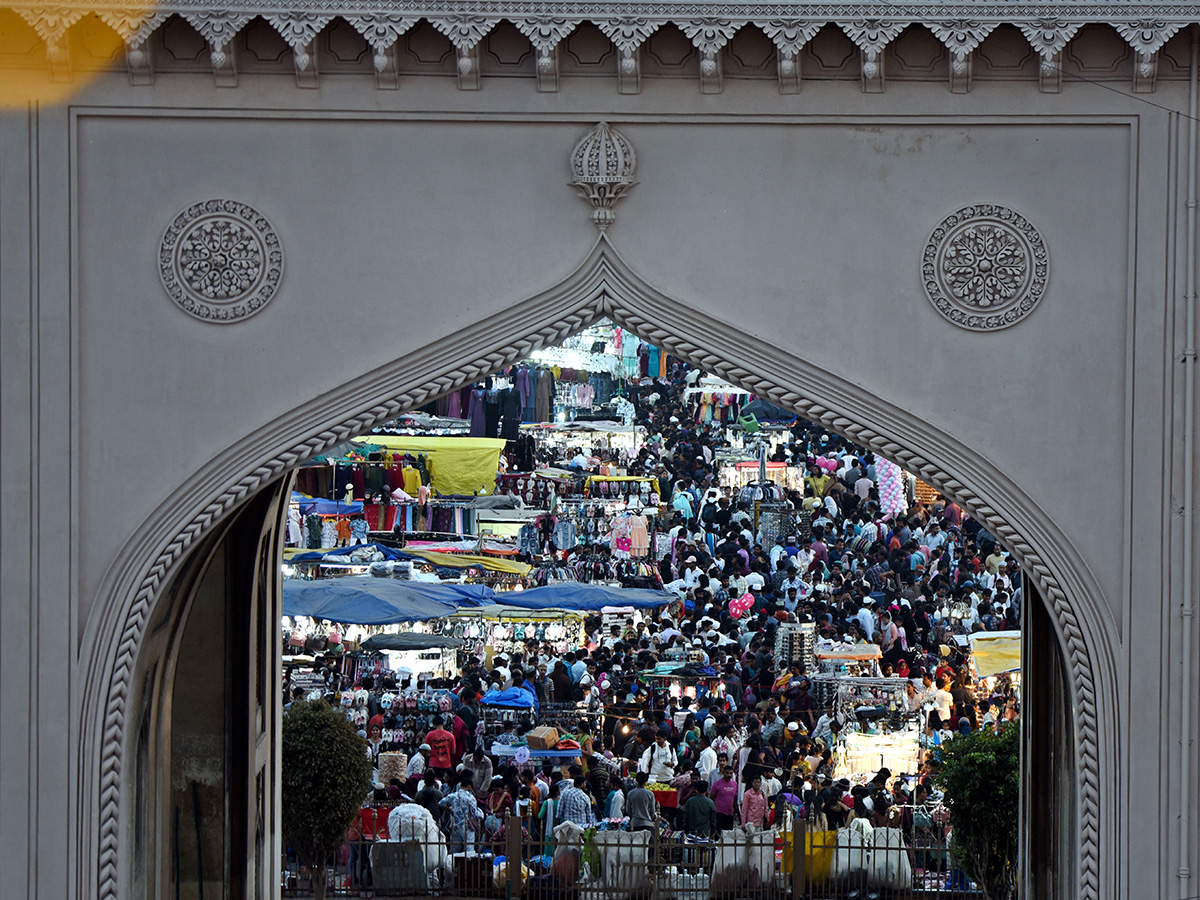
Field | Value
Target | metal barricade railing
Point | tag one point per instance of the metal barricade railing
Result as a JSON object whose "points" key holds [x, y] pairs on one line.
{"points": [[911, 859], [801, 860]]}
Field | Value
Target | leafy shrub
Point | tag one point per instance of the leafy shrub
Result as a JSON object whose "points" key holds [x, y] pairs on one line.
{"points": [[981, 777], [326, 778]]}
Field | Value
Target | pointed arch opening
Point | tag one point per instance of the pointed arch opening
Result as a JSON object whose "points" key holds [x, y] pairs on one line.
{"points": [[239, 499]]}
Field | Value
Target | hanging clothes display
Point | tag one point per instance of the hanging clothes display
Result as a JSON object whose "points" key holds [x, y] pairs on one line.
{"points": [[565, 534], [525, 453], [527, 540], [521, 381], [544, 396], [373, 477], [639, 536], [313, 524], [621, 543], [411, 481], [630, 366], [295, 527], [510, 413], [476, 414], [582, 396], [652, 355], [603, 386], [491, 412], [329, 535]]}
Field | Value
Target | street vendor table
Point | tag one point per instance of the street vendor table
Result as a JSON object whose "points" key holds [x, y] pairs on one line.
{"points": [[509, 750], [667, 799], [861, 655]]}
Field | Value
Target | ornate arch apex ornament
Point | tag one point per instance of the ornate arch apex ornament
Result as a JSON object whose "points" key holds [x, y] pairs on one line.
{"points": [[220, 260], [985, 267], [603, 163]]}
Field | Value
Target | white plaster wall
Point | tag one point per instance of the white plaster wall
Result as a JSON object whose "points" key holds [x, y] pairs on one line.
{"points": [[405, 215]]}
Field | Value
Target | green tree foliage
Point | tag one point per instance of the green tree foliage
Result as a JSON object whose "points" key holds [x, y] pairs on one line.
{"points": [[326, 777], [981, 777]]}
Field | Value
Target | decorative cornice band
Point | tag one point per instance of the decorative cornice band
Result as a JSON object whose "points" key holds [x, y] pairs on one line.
{"points": [[1130, 13], [961, 26]]}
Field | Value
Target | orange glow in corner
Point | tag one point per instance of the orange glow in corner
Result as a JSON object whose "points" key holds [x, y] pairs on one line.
{"points": [[51, 60]]}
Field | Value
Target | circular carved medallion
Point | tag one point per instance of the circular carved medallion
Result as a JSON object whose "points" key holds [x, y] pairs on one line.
{"points": [[220, 260], [985, 267]]}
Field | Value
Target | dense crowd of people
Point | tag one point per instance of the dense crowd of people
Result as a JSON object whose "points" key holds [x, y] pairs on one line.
{"points": [[910, 582]]}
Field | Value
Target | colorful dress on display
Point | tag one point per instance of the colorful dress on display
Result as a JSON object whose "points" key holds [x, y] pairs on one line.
{"points": [[639, 536]]}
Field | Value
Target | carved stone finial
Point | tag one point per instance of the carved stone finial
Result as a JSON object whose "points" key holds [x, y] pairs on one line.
{"points": [[603, 163]]}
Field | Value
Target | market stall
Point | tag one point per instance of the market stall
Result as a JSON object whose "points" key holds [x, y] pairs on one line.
{"points": [[848, 659], [715, 399], [689, 678], [489, 631], [860, 755], [742, 472], [458, 466], [594, 435], [433, 655], [637, 488], [995, 652], [879, 730], [541, 488]]}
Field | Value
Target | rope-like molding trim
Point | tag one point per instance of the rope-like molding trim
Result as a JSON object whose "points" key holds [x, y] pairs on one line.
{"points": [[584, 297]]}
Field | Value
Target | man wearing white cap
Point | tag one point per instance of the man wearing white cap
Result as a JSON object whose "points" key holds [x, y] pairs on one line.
{"points": [[419, 761], [755, 579], [771, 785], [668, 631]]}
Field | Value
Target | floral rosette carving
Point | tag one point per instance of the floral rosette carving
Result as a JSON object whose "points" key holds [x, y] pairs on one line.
{"points": [[221, 261], [985, 267]]}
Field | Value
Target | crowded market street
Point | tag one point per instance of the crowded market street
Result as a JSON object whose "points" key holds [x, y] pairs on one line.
{"points": [[644, 632]]}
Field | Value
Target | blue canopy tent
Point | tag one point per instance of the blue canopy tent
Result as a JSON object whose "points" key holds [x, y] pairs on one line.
{"points": [[319, 506], [362, 600], [586, 597], [314, 555], [765, 411]]}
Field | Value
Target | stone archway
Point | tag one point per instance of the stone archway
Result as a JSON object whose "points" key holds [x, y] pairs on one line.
{"points": [[603, 285]]}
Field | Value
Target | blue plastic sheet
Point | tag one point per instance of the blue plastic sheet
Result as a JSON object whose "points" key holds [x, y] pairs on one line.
{"points": [[319, 506], [587, 597], [315, 555], [517, 698], [362, 600]]}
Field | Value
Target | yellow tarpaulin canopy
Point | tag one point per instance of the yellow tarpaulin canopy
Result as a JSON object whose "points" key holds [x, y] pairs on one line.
{"points": [[457, 465], [463, 560], [995, 652]]}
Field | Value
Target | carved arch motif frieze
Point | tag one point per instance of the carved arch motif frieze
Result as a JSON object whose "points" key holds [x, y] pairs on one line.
{"points": [[710, 26]]}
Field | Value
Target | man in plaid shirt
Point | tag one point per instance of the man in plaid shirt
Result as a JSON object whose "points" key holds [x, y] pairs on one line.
{"points": [[575, 805]]}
